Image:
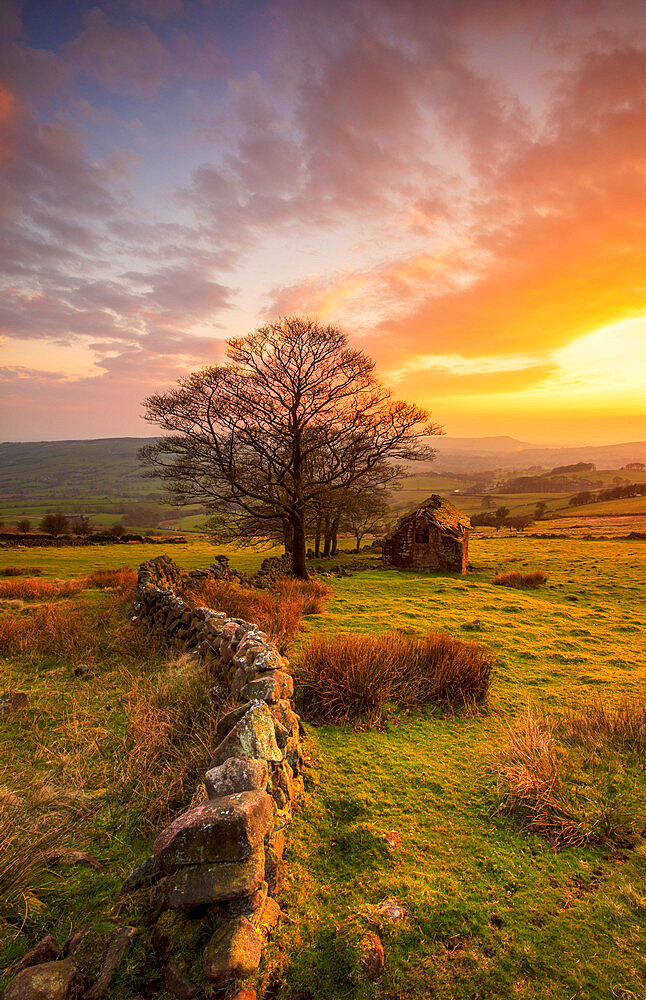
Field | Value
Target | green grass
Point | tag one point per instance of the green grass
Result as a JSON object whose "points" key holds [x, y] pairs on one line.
{"points": [[489, 911], [627, 505], [68, 561]]}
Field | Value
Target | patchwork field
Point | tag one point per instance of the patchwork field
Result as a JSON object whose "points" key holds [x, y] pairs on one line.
{"points": [[400, 832]]}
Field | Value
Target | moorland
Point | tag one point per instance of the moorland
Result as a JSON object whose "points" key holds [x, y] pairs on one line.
{"points": [[408, 828], [104, 480]]}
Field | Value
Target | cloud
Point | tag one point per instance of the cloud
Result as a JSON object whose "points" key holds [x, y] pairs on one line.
{"points": [[449, 179], [553, 247], [128, 57]]}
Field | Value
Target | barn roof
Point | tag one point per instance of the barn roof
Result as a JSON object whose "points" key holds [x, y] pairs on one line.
{"points": [[443, 513]]}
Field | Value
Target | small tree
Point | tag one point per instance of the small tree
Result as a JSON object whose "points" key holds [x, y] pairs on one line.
{"points": [[55, 524], [364, 513], [79, 524], [519, 522], [487, 502], [540, 510], [585, 496], [502, 513], [117, 530], [24, 525], [294, 412], [141, 515]]}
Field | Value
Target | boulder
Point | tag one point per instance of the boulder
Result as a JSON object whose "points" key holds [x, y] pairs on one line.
{"points": [[111, 962], [283, 713], [247, 993], [45, 951], [145, 875], [237, 774], [265, 919], [282, 734], [294, 755], [48, 981], [253, 736], [245, 905], [12, 702], [272, 687], [372, 955], [228, 721], [225, 829], [177, 982], [97, 951], [233, 952], [268, 659], [279, 798], [195, 885]]}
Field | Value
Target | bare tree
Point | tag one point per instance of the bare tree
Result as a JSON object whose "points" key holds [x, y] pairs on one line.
{"points": [[365, 512], [55, 524], [294, 411]]}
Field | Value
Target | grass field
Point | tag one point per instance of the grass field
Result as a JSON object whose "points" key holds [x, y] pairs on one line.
{"points": [[487, 910], [628, 505]]}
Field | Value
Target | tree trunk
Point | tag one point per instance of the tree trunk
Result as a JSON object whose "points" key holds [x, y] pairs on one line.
{"points": [[299, 563], [317, 537], [297, 518], [335, 532], [327, 538], [358, 538], [288, 536]]}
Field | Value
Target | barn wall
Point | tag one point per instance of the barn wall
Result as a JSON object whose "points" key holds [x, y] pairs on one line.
{"points": [[442, 551]]}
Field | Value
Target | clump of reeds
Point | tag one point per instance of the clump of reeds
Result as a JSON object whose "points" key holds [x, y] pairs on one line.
{"points": [[524, 581], [123, 580], [68, 628], [349, 678], [278, 610], [34, 589], [577, 778]]}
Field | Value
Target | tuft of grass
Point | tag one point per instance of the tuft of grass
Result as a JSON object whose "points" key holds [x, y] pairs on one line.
{"points": [[34, 589], [68, 629], [523, 581], [35, 829], [171, 722], [351, 677], [278, 611], [577, 778], [123, 580], [21, 571]]}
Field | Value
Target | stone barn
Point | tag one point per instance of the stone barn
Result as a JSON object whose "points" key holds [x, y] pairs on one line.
{"points": [[434, 536]]}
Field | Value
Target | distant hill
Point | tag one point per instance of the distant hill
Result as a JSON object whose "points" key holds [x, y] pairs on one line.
{"points": [[466, 455], [66, 473], [74, 470]]}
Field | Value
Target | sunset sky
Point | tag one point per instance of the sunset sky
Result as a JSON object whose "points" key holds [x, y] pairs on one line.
{"points": [[459, 184]]}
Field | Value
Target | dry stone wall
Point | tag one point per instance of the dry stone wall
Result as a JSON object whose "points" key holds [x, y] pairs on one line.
{"points": [[213, 875], [226, 853]]}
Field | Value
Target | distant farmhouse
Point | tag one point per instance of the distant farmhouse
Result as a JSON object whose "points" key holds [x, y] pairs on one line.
{"points": [[434, 536]]}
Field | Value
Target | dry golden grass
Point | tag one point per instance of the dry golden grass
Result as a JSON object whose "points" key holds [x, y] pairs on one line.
{"points": [[350, 677], [35, 830], [527, 581], [68, 629], [577, 778], [171, 722], [278, 611], [34, 589], [123, 580], [600, 727]]}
